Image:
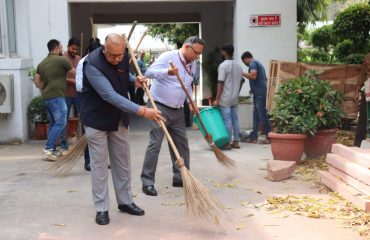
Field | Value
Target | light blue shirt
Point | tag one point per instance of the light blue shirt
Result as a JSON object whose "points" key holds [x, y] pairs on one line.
{"points": [[166, 89]]}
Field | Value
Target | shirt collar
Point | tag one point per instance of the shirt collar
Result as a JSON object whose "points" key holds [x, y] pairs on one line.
{"points": [[183, 59]]}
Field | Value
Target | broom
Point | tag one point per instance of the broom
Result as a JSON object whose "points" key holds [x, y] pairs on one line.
{"points": [[198, 200], [65, 163], [221, 157]]}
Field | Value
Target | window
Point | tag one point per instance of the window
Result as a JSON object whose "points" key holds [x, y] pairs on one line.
{"points": [[7, 28]]}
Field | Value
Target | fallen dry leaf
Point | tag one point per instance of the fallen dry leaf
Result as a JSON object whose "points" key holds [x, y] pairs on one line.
{"points": [[240, 226], [245, 203], [173, 204], [58, 224]]}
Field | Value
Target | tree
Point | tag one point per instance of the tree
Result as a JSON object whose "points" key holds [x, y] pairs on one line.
{"points": [[354, 24], [311, 11], [174, 32]]}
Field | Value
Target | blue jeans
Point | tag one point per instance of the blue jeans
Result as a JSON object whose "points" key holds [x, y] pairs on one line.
{"points": [[260, 115], [231, 121], [57, 115]]}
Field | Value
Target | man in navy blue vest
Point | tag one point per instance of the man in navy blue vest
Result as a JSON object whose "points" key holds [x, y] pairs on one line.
{"points": [[105, 112]]}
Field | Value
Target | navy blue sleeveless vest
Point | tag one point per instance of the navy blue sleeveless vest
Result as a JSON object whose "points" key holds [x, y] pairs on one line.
{"points": [[95, 112]]}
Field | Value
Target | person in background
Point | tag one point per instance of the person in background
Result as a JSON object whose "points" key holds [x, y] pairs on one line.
{"points": [[94, 43], [228, 86], [257, 82], [139, 91], [105, 115], [362, 122], [70, 94], [50, 78], [169, 98]]}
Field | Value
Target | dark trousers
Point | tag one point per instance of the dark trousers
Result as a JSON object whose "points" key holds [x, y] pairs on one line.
{"points": [[361, 128], [140, 96], [87, 155], [176, 127], [260, 116], [188, 115], [131, 91]]}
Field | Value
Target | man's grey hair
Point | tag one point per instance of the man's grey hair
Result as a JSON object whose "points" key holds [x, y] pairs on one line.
{"points": [[193, 40]]}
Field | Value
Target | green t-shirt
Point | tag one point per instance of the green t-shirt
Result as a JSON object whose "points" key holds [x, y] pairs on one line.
{"points": [[53, 70]]}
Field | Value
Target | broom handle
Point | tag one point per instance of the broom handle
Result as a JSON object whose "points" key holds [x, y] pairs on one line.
{"points": [[190, 100], [131, 30], [161, 123], [138, 45]]}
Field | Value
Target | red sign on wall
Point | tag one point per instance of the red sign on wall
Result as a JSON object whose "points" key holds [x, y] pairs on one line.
{"points": [[266, 20]]}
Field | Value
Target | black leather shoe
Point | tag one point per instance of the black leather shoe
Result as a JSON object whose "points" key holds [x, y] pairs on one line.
{"points": [[87, 167], [131, 208], [102, 218], [150, 190], [177, 184]]}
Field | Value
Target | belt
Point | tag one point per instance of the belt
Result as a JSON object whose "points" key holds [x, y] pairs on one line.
{"points": [[161, 104]]}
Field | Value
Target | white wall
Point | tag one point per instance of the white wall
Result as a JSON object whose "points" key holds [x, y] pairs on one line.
{"points": [[265, 43], [48, 19], [37, 21], [14, 125]]}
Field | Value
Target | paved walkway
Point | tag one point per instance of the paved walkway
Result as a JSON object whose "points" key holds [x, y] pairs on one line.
{"points": [[36, 205]]}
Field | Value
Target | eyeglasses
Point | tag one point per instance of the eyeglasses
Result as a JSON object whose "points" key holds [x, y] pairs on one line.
{"points": [[195, 51], [114, 56]]}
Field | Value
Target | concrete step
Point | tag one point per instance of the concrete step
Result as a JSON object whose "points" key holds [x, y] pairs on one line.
{"points": [[353, 169], [346, 191], [355, 154], [353, 182]]}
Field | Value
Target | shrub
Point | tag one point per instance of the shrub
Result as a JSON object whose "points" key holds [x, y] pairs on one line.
{"points": [[36, 111]]}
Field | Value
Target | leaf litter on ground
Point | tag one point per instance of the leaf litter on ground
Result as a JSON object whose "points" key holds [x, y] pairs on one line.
{"points": [[333, 208]]}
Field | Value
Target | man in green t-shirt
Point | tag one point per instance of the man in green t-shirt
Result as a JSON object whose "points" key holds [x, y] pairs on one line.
{"points": [[50, 78]]}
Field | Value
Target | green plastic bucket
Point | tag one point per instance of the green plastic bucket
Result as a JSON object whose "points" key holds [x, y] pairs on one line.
{"points": [[212, 119]]}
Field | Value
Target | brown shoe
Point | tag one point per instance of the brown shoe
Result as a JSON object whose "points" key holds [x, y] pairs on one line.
{"points": [[226, 147], [235, 144]]}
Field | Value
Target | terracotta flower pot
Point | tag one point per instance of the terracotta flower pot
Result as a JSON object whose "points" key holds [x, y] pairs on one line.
{"points": [[287, 146], [72, 127], [321, 143], [41, 130]]}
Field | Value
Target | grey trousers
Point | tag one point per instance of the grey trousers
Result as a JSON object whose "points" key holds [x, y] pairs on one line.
{"points": [[175, 123], [115, 146]]}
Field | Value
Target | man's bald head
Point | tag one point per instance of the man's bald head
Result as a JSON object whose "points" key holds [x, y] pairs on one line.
{"points": [[114, 48]]}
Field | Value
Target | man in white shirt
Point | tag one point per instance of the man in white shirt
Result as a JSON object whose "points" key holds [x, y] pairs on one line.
{"points": [[169, 97]]}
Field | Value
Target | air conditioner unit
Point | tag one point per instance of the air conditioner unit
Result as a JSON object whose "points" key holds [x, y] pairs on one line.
{"points": [[6, 93]]}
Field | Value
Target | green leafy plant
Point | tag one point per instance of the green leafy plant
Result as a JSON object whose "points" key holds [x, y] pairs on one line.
{"points": [[328, 109], [294, 104], [36, 111], [305, 104]]}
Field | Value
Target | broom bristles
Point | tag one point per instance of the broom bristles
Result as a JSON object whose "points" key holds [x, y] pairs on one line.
{"points": [[65, 163], [221, 157], [199, 201]]}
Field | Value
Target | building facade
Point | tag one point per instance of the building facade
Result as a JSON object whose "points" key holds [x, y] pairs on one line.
{"points": [[267, 28]]}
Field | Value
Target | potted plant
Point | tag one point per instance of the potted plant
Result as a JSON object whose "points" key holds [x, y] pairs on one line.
{"points": [[37, 114], [293, 118], [329, 113]]}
